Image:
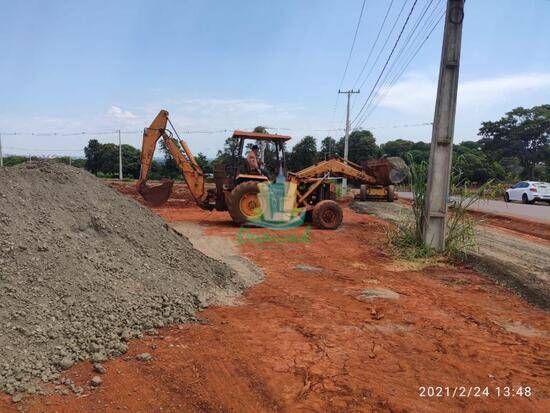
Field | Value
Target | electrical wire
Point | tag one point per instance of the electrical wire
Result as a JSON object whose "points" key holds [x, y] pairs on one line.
{"points": [[352, 44], [348, 60], [374, 44], [398, 64], [388, 37], [398, 75], [387, 60]]}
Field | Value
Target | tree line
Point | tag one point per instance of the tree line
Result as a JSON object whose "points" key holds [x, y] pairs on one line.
{"points": [[517, 146]]}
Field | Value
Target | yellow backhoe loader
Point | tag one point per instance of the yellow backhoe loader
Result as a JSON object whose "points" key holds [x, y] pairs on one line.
{"points": [[237, 190]]}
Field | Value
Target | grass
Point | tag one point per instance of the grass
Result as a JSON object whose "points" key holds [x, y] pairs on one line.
{"points": [[405, 239]]}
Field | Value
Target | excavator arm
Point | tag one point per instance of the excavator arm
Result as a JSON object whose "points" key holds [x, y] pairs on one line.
{"points": [[184, 159], [336, 166]]}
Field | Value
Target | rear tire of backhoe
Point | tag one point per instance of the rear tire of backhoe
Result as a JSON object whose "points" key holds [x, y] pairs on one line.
{"points": [[327, 215], [244, 203]]}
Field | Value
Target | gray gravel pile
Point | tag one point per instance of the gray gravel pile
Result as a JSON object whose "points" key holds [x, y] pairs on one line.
{"points": [[83, 269]]}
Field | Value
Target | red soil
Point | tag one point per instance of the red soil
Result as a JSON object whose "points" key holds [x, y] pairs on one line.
{"points": [[303, 341]]}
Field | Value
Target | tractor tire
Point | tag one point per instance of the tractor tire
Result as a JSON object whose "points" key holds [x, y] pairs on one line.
{"points": [[327, 215], [363, 193], [391, 193], [244, 203]]}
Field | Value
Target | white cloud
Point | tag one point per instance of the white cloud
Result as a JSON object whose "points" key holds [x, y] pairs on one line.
{"points": [[209, 114], [488, 91], [117, 113], [416, 94]]}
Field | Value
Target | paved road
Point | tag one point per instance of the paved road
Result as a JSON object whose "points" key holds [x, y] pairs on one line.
{"points": [[537, 212]]}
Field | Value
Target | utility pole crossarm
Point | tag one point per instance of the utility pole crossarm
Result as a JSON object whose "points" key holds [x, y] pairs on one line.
{"points": [[439, 172], [346, 139]]}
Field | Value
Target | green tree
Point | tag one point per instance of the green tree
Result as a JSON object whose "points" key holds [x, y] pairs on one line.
{"points": [[328, 148], [260, 129], [92, 153], [522, 133], [104, 158], [78, 163], [204, 163], [169, 167], [398, 147], [229, 150], [362, 146], [13, 160], [108, 161], [130, 161], [303, 154]]}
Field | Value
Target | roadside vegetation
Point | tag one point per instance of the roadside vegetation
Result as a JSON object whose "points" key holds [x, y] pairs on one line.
{"points": [[406, 237], [515, 147]]}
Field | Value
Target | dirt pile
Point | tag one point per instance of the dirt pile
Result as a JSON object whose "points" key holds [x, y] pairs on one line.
{"points": [[83, 269]]}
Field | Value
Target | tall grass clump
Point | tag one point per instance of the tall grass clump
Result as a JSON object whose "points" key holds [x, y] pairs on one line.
{"points": [[405, 239]]}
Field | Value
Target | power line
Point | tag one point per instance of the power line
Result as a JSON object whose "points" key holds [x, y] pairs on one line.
{"points": [[385, 84], [43, 150], [348, 60], [387, 60], [353, 44], [384, 45], [374, 44], [401, 71]]}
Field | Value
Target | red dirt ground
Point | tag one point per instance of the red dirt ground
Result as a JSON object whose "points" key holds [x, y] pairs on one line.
{"points": [[303, 341]]}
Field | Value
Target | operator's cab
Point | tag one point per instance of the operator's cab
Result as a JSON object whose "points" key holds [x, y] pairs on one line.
{"points": [[241, 173], [236, 172]]}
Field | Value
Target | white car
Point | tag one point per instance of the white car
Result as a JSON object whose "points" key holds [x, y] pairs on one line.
{"points": [[528, 192]]}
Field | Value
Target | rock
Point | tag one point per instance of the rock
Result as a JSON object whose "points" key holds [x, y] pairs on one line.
{"points": [[66, 363], [98, 368], [17, 397], [96, 381], [384, 293], [99, 357], [144, 357], [308, 268]]}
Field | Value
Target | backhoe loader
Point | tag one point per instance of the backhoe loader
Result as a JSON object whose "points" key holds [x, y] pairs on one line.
{"points": [[237, 190]]}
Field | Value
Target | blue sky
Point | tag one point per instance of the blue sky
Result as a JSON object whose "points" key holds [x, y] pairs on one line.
{"points": [[104, 65]]}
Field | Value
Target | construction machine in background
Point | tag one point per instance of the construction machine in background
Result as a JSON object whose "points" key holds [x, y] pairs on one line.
{"points": [[237, 190]]}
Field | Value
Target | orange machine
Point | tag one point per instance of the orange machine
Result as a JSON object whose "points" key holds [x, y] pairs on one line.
{"points": [[236, 190]]}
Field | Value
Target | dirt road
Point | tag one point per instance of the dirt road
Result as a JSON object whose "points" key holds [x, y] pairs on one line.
{"points": [[310, 338], [514, 259]]}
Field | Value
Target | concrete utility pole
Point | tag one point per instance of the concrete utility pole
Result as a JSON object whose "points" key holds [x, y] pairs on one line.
{"points": [[1, 154], [119, 156], [346, 139], [439, 172]]}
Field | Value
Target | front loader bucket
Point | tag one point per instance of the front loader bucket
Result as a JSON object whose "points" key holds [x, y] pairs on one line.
{"points": [[156, 195], [387, 171]]}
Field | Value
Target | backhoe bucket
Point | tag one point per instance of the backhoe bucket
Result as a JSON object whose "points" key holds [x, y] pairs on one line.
{"points": [[156, 195]]}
